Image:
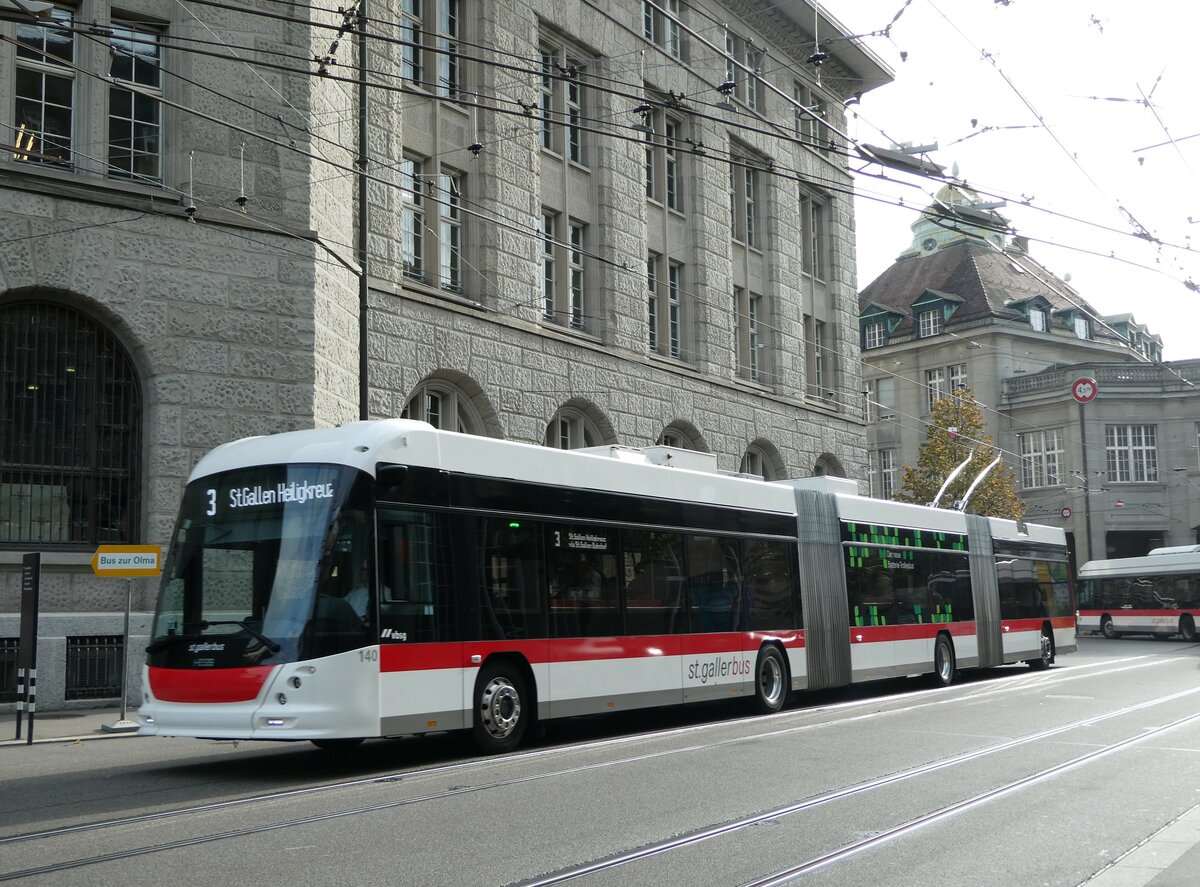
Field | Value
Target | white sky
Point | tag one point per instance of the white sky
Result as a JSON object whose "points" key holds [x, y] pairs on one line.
{"points": [[1077, 159]]}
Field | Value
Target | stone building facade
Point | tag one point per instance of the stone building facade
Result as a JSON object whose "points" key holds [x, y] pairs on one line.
{"points": [[586, 223]]}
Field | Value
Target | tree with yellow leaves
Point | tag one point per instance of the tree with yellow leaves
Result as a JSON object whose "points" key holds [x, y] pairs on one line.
{"points": [[956, 431]]}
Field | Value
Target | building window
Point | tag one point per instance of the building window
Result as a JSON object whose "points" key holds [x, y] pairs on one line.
{"points": [[748, 307], [1041, 458], [549, 264], [875, 334], [958, 377], [70, 407], [929, 323], [94, 667], [818, 384], [745, 182], [443, 406], [664, 305], [443, 19], [447, 43], [1083, 329], [882, 469], [45, 90], [134, 119], [570, 429], [661, 26], [450, 230], [564, 296], [756, 462], [810, 117], [663, 184], [1037, 319], [562, 104], [935, 385], [755, 91], [881, 399], [412, 217], [814, 235], [1132, 453], [411, 29]]}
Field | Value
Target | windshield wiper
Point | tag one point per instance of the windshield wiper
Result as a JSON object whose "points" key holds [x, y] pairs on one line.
{"points": [[266, 641]]}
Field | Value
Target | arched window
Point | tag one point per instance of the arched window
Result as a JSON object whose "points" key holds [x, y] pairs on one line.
{"points": [[571, 429], [762, 459], [444, 406], [682, 435], [70, 449]]}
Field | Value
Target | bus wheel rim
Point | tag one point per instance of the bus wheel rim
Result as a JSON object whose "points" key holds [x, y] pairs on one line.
{"points": [[500, 708]]}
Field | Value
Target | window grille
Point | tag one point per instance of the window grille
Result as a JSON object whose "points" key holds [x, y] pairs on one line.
{"points": [[9, 651], [94, 667], [70, 410]]}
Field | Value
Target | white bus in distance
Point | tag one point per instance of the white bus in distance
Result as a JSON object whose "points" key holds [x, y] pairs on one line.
{"points": [[387, 578], [1158, 594]]}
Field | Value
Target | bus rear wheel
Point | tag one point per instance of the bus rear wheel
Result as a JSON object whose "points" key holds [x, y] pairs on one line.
{"points": [[944, 668], [770, 681], [1106, 628], [1187, 627], [500, 718], [1047, 654]]}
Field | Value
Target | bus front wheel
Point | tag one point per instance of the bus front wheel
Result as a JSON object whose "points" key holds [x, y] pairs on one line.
{"points": [[944, 668], [770, 681], [1106, 628], [501, 717], [1187, 627]]}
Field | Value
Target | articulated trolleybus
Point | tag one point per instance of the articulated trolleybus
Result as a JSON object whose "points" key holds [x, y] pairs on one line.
{"points": [[1157, 594], [386, 578]]}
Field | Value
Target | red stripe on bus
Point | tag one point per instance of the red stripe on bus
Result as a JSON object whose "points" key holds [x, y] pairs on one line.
{"points": [[208, 685], [420, 657], [1162, 611]]}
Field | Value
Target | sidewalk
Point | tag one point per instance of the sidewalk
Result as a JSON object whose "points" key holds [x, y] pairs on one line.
{"points": [[1168, 858], [60, 726]]}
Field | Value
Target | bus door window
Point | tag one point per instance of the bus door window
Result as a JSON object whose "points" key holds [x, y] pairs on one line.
{"points": [[582, 573], [714, 583], [511, 604], [345, 607], [416, 600], [769, 597], [652, 568]]}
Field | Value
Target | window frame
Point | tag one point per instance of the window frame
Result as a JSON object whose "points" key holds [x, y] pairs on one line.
{"points": [[1128, 460], [1042, 456], [40, 62]]}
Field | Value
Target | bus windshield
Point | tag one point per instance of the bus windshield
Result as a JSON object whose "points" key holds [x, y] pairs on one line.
{"points": [[265, 567]]}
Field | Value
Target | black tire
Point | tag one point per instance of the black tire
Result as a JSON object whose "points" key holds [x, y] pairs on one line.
{"points": [[770, 681], [945, 669], [338, 746], [501, 709], [1106, 628], [1187, 627], [1047, 657]]}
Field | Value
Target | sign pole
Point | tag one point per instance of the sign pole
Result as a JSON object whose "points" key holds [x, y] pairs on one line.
{"points": [[126, 561], [31, 579], [124, 725], [1084, 390]]}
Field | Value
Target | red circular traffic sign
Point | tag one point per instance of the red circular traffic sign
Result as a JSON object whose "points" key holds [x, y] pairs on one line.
{"points": [[1084, 390], [1066, 512]]}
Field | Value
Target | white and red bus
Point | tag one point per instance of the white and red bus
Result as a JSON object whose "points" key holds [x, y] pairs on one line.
{"points": [[386, 578], [1157, 594]]}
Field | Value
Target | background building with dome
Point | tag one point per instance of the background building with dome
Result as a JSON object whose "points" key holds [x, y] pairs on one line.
{"points": [[968, 306]]}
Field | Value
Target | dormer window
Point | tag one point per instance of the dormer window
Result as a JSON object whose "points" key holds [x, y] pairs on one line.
{"points": [[929, 323], [875, 334], [1037, 319]]}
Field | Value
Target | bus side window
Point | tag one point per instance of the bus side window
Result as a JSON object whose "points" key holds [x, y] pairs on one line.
{"points": [[654, 580], [416, 599], [512, 598]]}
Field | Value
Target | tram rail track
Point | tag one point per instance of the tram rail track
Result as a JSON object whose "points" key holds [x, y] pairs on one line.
{"points": [[115, 825]]}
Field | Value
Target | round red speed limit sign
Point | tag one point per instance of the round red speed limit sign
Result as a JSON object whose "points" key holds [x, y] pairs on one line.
{"points": [[1084, 390]]}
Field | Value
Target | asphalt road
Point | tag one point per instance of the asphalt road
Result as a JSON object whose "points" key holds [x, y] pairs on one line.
{"points": [[1009, 777]]}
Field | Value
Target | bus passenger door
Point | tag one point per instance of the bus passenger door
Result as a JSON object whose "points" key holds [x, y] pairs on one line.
{"points": [[420, 649]]}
